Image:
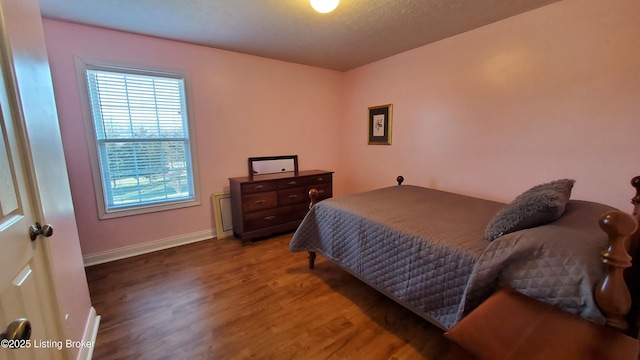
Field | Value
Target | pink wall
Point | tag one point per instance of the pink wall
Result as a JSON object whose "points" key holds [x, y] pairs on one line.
{"points": [[552, 93], [242, 105]]}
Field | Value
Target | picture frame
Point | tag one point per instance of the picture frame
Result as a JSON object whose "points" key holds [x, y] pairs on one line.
{"points": [[380, 122], [222, 214]]}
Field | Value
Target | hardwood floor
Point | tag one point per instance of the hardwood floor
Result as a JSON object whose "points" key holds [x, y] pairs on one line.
{"points": [[219, 300]]}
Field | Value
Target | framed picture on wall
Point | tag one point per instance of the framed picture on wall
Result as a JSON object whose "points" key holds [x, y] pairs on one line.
{"points": [[380, 124]]}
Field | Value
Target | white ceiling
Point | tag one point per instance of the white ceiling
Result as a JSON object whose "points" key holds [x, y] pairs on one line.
{"points": [[356, 33]]}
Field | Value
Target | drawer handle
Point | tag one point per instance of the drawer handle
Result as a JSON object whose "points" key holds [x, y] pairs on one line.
{"points": [[269, 218], [292, 182], [259, 202], [320, 179], [293, 196], [259, 187]]}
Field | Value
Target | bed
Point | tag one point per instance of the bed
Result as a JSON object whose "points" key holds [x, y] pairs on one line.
{"points": [[428, 250]]}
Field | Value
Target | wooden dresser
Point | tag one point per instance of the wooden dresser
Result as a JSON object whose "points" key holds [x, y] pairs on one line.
{"points": [[272, 203]]}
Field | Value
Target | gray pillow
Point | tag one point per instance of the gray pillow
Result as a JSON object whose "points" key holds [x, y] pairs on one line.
{"points": [[537, 206]]}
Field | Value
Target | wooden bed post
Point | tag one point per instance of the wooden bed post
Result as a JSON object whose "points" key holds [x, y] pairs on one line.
{"points": [[635, 238], [635, 182], [632, 275], [611, 294], [313, 194]]}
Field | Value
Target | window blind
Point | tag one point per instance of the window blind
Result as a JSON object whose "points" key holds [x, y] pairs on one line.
{"points": [[142, 138]]}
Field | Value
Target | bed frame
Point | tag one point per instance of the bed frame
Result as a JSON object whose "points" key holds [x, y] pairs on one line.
{"points": [[618, 292]]}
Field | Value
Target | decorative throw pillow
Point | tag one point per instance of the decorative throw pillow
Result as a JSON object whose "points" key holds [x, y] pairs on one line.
{"points": [[537, 206]]}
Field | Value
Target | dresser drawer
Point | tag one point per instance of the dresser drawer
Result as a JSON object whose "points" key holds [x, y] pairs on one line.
{"points": [[272, 217], [259, 201], [324, 190], [292, 183], [298, 212], [293, 196], [258, 187], [304, 181], [318, 179]]}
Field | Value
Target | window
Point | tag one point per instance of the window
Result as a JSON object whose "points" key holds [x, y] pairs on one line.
{"points": [[142, 142]]}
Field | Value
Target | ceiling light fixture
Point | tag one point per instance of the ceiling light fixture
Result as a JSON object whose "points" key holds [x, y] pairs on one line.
{"points": [[324, 6]]}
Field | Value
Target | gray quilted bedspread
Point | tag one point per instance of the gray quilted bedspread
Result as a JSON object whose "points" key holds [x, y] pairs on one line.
{"points": [[426, 249]]}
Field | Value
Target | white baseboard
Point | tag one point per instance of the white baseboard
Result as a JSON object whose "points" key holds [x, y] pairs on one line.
{"points": [[90, 334], [139, 249]]}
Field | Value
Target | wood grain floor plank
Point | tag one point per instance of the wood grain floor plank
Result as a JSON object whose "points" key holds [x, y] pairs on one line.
{"points": [[218, 299]]}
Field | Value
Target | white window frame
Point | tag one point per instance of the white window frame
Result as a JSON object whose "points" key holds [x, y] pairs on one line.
{"points": [[82, 66]]}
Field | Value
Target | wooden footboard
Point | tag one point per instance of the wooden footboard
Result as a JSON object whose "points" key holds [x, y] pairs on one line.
{"points": [[618, 292], [612, 294]]}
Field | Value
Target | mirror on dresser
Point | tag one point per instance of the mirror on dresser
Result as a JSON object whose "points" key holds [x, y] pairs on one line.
{"points": [[273, 164]]}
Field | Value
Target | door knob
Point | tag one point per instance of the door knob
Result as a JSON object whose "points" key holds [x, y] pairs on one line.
{"points": [[37, 229], [19, 329]]}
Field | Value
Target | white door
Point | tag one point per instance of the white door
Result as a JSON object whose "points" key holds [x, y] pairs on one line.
{"points": [[23, 50], [24, 278]]}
